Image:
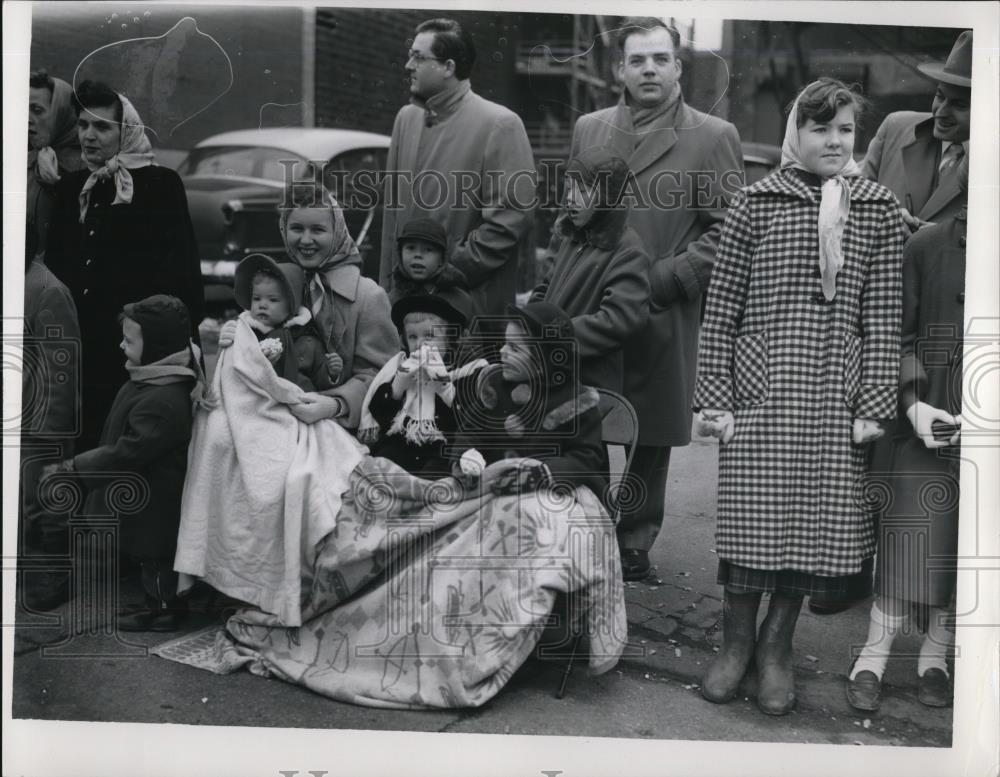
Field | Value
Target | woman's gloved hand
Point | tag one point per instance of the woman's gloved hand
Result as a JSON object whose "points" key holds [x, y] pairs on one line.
{"points": [[937, 428], [717, 423], [865, 430]]}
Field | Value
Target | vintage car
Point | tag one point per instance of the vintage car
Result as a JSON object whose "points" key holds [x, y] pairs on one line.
{"points": [[234, 183]]}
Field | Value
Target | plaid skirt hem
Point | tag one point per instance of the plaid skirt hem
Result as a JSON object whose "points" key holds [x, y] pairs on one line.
{"points": [[791, 582]]}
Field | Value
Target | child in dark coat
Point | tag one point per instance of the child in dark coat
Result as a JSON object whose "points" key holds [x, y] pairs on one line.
{"points": [[408, 414], [598, 269], [422, 265], [270, 294], [145, 439], [532, 406]]}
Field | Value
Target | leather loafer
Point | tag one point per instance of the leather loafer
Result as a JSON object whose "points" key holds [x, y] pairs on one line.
{"points": [[635, 564], [864, 692], [935, 689]]}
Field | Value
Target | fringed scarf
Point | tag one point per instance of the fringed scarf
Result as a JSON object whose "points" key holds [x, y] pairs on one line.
{"points": [[134, 151], [415, 419], [834, 206]]}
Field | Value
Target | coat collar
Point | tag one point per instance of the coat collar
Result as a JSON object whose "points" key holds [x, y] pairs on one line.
{"points": [[574, 406], [443, 104], [797, 184], [621, 134], [604, 232], [343, 280]]}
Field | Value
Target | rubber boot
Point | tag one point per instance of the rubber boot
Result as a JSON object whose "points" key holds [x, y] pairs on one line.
{"points": [[776, 680], [739, 636]]}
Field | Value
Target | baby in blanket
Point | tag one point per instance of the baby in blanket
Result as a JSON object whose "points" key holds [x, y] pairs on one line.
{"points": [[268, 292], [408, 414]]}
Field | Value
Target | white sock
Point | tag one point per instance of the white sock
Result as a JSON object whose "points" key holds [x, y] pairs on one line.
{"points": [[882, 630], [937, 642]]}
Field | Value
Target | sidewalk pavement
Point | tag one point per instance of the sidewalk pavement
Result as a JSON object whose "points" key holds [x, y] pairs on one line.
{"points": [[674, 630]]}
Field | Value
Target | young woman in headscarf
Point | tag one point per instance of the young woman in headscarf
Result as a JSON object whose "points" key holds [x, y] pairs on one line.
{"points": [[120, 231], [798, 364], [53, 148], [351, 312]]}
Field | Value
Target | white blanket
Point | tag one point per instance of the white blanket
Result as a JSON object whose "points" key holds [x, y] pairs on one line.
{"points": [[263, 489]]}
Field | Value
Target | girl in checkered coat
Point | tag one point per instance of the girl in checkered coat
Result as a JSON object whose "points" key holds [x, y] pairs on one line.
{"points": [[798, 362]]}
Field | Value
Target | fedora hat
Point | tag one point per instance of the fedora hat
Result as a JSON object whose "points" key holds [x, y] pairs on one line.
{"points": [[957, 70]]}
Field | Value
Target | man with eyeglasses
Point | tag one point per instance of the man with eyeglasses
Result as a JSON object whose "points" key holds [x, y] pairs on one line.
{"points": [[686, 164], [462, 161]]}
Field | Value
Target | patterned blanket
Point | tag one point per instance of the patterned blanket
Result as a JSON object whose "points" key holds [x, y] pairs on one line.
{"points": [[424, 596]]}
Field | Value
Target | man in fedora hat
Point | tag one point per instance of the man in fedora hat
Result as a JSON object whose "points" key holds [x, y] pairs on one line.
{"points": [[916, 155]]}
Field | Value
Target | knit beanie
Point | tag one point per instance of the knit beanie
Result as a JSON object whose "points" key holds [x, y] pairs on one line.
{"points": [[165, 324]]}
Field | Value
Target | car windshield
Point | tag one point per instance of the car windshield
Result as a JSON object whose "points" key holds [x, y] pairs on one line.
{"points": [[241, 162]]}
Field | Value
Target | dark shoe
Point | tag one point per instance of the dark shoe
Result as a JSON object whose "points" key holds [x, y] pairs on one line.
{"points": [[739, 636], [635, 564], [776, 679], [149, 620], [829, 606], [864, 692], [935, 689]]}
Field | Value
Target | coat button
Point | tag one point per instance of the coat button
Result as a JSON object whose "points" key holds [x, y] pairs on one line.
{"points": [[88, 261], [91, 233], [85, 291], [818, 298], [961, 298], [816, 273]]}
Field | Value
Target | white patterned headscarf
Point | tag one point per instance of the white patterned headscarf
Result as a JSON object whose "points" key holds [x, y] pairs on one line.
{"points": [[834, 206], [134, 151]]}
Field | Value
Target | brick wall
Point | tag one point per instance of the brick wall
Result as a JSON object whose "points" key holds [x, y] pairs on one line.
{"points": [[360, 54]]}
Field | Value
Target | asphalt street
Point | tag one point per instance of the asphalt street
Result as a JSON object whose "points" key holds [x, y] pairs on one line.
{"points": [[674, 622]]}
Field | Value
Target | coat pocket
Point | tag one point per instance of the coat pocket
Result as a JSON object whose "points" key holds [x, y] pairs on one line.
{"points": [[852, 368], [750, 376]]}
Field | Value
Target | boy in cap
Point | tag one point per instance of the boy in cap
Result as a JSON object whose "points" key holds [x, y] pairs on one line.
{"points": [[408, 415], [271, 297], [146, 436], [423, 266]]}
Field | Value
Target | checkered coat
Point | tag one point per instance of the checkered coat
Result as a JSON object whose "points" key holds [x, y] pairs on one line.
{"points": [[796, 370]]}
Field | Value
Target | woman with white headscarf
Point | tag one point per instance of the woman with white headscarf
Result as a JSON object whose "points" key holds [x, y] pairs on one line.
{"points": [[53, 148], [798, 364], [119, 232]]}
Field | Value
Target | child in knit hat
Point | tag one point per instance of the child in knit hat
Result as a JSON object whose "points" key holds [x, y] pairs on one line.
{"points": [[145, 443], [423, 267], [408, 415], [270, 294]]}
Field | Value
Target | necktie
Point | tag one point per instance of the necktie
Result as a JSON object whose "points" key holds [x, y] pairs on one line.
{"points": [[950, 159]]}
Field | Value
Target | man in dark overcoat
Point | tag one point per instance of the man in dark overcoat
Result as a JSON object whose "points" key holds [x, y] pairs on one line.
{"points": [[686, 165]]}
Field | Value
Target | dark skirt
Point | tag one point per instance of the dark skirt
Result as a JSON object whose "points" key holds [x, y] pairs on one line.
{"points": [[789, 582]]}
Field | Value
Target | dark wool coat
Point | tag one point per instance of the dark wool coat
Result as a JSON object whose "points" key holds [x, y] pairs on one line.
{"points": [[146, 436], [601, 280], [564, 432], [403, 285], [123, 253], [432, 459], [919, 529], [698, 158], [796, 370]]}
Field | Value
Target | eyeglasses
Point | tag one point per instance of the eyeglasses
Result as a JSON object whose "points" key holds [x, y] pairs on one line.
{"points": [[417, 57]]}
